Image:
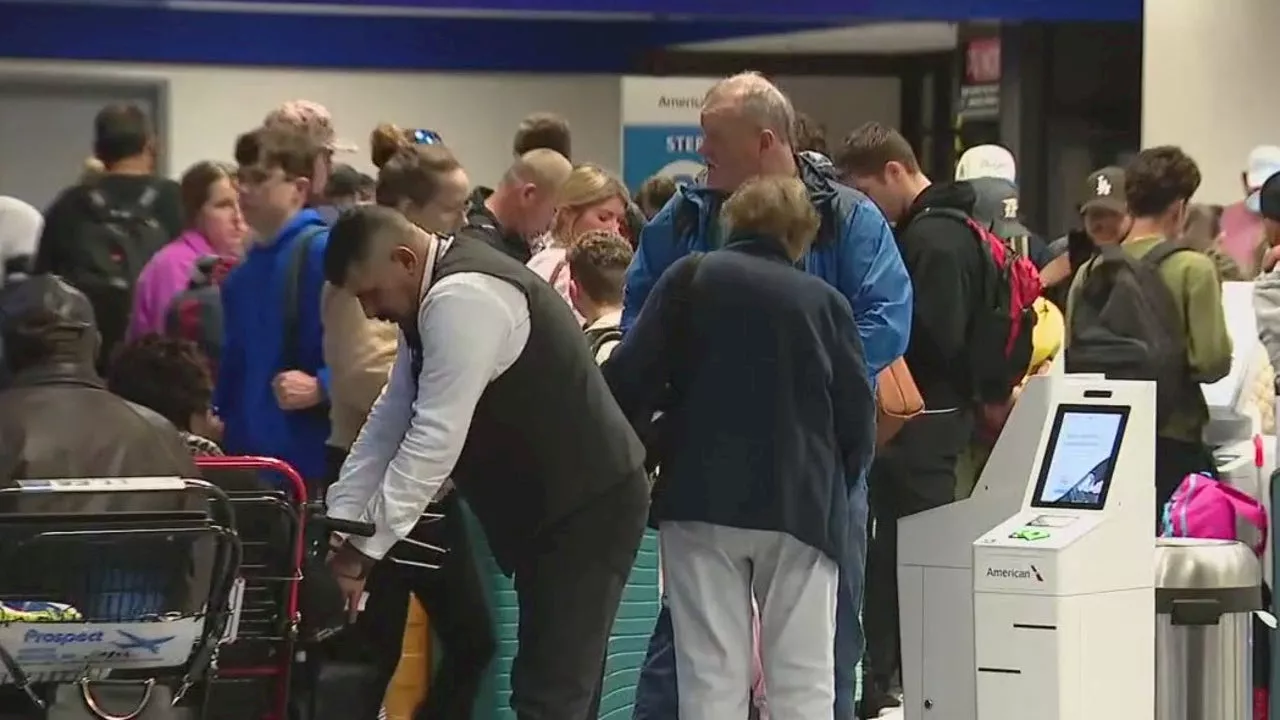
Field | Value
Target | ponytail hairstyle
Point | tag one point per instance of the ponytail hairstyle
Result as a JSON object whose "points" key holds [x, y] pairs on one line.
{"points": [[412, 174], [385, 141]]}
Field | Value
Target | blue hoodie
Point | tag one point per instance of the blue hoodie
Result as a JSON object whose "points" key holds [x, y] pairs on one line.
{"points": [[253, 302], [855, 253]]}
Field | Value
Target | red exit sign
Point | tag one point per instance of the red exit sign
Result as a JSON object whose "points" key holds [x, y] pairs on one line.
{"points": [[982, 61]]}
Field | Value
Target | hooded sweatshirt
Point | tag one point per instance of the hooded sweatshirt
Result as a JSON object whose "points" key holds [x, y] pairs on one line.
{"points": [[253, 352], [165, 275], [945, 259]]}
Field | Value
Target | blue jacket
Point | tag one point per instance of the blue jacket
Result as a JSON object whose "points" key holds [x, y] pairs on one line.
{"points": [[773, 413], [855, 253], [253, 302]]}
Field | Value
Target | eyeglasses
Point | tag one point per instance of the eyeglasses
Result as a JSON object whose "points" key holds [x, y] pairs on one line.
{"points": [[425, 137]]}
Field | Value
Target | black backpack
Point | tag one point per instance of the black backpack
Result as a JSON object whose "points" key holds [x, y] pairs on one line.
{"points": [[113, 247], [1125, 325]]}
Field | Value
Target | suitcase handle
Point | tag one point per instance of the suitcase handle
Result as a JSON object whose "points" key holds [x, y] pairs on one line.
{"points": [[91, 703]]}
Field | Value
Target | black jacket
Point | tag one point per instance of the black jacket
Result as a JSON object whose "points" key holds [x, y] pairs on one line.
{"points": [[483, 225], [945, 259], [773, 415]]}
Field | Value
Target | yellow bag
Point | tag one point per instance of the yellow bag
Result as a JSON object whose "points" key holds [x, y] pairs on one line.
{"points": [[408, 687]]}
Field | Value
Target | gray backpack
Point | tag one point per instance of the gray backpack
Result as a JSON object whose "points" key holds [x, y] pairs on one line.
{"points": [[1125, 325]]}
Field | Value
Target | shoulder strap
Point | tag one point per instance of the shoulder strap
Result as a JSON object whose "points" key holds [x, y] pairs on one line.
{"points": [[602, 337], [292, 289], [148, 198], [1164, 250]]}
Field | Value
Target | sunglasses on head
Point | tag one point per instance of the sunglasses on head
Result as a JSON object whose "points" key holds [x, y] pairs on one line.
{"points": [[425, 137]]}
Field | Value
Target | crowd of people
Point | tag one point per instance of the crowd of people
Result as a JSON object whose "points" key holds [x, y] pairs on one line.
{"points": [[573, 362]]}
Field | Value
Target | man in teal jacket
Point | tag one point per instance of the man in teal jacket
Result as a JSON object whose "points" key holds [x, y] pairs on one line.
{"points": [[748, 130]]}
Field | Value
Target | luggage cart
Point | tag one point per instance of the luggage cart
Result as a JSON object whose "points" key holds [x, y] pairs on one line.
{"points": [[113, 594], [282, 537]]}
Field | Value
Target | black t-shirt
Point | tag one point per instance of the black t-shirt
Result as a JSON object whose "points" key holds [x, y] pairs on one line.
{"points": [[71, 211]]}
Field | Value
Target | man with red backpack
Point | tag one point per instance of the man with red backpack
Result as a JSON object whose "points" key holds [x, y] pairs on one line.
{"points": [[970, 344]]}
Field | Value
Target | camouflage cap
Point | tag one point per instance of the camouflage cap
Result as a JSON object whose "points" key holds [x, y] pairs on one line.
{"points": [[313, 119]]}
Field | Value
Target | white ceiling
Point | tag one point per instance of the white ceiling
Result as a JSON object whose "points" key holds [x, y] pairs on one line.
{"points": [[873, 39]]}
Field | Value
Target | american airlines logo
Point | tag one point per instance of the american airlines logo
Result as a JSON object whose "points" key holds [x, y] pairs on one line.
{"points": [[1029, 573], [665, 101]]}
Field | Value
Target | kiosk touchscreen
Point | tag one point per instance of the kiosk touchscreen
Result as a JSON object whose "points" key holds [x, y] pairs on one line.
{"points": [[935, 548], [1063, 598]]}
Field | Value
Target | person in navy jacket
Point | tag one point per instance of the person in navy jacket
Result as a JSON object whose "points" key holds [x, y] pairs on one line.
{"points": [[772, 419], [748, 127]]}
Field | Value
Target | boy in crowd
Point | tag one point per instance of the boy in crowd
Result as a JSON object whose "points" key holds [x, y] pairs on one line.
{"points": [[1158, 186], [272, 388], [598, 264], [916, 472]]}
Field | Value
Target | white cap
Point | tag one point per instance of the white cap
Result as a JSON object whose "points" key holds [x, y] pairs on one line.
{"points": [[1264, 161], [987, 161]]}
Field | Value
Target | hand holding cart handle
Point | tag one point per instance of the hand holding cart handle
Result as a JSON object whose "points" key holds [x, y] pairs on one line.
{"points": [[338, 525]]}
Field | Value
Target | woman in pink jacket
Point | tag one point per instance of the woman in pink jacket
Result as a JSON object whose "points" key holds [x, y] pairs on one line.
{"points": [[590, 199], [214, 227]]}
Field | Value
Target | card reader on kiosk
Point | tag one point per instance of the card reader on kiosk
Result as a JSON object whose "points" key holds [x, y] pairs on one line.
{"points": [[935, 560], [1063, 602]]}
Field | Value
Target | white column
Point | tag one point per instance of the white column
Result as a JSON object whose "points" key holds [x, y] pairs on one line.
{"points": [[1209, 84]]}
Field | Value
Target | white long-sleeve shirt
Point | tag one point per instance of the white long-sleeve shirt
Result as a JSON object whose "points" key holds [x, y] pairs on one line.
{"points": [[473, 327]]}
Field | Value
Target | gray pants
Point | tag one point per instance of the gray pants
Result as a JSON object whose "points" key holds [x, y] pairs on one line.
{"points": [[712, 574]]}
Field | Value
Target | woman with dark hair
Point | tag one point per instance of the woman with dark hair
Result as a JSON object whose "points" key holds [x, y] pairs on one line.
{"points": [[211, 208]]}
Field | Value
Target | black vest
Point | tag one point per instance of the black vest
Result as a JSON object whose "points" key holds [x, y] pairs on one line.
{"points": [[547, 437]]}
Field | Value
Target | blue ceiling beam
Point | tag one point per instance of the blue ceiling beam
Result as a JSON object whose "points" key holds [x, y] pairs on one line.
{"points": [[791, 10], [133, 33]]}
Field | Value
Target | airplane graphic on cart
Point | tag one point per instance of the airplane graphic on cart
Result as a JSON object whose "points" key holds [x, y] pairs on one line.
{"points": [[130, 641]]}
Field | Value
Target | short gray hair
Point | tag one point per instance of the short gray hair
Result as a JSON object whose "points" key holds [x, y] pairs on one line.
{"points": [[759, 101]]}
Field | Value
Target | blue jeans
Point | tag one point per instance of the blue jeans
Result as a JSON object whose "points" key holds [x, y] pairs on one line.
{"points": [[657, 692]]}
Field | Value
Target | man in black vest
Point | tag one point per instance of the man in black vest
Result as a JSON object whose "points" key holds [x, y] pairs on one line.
{"points": [[494, 388]]}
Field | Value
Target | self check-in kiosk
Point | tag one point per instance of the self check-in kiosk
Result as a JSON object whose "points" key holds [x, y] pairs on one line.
{"points": [[1063, 588], [935, 559]]}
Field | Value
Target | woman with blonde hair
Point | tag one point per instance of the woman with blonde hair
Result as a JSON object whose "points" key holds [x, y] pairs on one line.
{"points": [[591, 199]]}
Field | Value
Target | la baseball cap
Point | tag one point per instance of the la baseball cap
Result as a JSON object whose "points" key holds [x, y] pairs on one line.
{"points": [[311, 118], [987, 161], [1269, 198], [1264, 162], [1104, 189]]}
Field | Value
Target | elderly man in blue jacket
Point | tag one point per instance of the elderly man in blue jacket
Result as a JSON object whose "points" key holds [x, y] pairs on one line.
{"points": [[747, 125]]}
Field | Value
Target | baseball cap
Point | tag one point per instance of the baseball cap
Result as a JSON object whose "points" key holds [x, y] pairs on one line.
{"points": [[313, 119], [1104, 189], [43, 304], [987, 161], [1264, 162], [996, 206], [1269, 198]]}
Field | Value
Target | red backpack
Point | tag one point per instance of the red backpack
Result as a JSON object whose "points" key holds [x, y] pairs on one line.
{"points": [[1000, 330]]}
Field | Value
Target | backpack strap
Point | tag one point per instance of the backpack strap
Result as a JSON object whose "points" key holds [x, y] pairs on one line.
{"points": [[1164, 250], [601, 337], [292, 291], [147, 199]]}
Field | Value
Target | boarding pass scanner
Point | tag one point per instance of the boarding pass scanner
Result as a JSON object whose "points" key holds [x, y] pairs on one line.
{"points": [[935, 560], [1063, 602]]}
